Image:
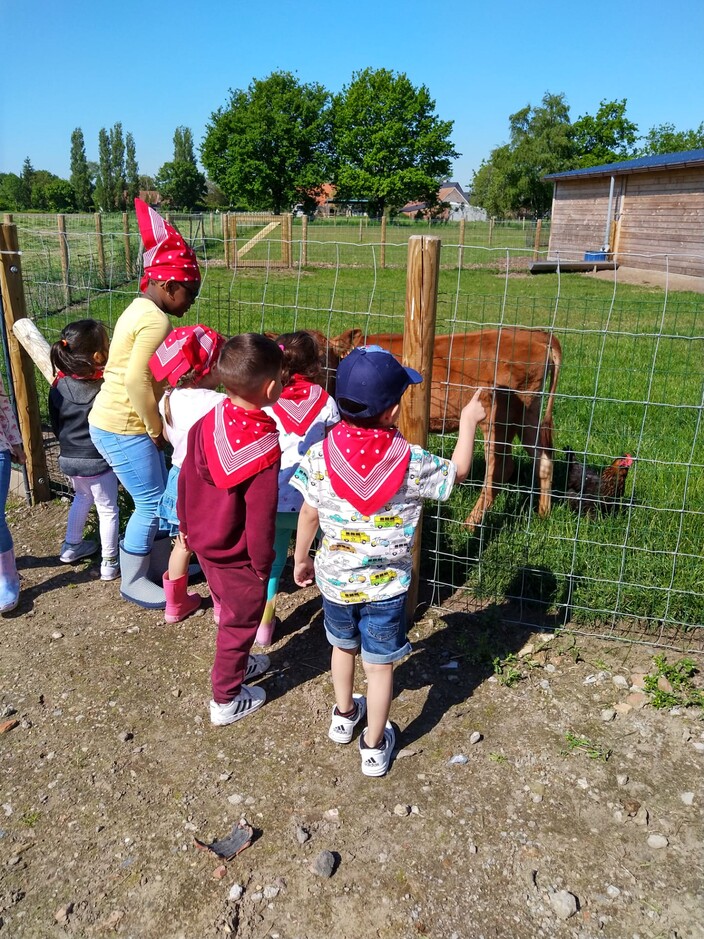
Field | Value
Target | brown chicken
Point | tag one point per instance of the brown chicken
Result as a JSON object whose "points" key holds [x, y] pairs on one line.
{"points": [[590, 490]]}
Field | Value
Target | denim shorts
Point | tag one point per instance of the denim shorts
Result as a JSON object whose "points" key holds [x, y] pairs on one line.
{"points": [[379, 627]]}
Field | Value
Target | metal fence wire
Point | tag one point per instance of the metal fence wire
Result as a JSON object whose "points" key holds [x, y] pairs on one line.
{"points": [[631, 382]]}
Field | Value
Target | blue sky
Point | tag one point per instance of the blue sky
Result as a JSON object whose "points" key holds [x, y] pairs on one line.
{"points": [[153, 67]]}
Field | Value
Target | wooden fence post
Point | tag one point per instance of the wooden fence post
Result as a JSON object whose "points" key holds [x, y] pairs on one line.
{"points": [[225, 219], [536, 243], [418, 345], [286, 235], [304, 240], [491, 230], [128, 254], [460, 259], [101, 248], [63, 251], [211, 228], [21, 366], [361, 217], [382, 252]]}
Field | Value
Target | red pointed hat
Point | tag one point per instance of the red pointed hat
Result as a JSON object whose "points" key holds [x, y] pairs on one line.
{"points": [[185, 348], [166, 254]]}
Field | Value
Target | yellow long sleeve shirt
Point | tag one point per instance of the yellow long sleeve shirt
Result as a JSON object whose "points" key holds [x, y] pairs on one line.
{"points": [[128, 401]]}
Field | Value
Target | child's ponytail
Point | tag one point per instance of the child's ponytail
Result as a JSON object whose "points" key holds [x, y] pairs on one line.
{"points": [[301, 356], [74, 353]]}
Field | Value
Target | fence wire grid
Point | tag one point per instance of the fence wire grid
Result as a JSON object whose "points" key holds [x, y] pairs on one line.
{"points": [[631, 382]]}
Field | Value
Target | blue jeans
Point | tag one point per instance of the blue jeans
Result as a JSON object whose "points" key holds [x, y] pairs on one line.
{"points": [[378, 626], [141, 469], [5, 467]]}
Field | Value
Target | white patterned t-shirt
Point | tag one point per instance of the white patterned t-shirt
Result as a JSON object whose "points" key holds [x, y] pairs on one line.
{"points": [[366, 558]]}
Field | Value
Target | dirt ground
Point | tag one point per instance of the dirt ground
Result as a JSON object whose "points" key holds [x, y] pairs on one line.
{"points": [[578, 812]]}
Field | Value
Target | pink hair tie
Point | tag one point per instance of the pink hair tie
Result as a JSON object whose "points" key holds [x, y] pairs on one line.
{"points": [[281, 347]]}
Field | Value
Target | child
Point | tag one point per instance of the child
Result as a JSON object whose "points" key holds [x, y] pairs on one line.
{"points": [[227, 496], [10, 449], [303, 414], [187, 360], [78, 358], [365, 487], [125, 425]]}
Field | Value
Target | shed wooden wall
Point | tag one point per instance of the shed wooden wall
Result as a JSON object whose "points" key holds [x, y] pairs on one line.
{"points": [[579, 210], [660, 219]]}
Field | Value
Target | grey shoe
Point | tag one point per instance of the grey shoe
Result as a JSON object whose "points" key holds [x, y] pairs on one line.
{"points": [[70, 553], [136, 585], [159, 559]]}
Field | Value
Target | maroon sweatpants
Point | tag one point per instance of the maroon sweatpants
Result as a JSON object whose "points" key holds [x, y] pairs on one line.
{"points": [[242, 597]]}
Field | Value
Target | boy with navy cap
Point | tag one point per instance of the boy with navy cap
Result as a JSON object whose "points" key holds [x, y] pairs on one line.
{"points": [[364, 486]]}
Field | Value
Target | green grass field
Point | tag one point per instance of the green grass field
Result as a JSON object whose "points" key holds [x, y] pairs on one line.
{"points": [[631, 381]]}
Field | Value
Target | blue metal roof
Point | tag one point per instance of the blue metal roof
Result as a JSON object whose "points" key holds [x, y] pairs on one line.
{"points": [[656, 162]]}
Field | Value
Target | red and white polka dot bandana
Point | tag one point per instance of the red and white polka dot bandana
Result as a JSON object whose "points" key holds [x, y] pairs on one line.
{"points": [[185, 348], [166, 254]]}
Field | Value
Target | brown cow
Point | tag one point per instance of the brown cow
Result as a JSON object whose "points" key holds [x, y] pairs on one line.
{"points": [[512, 364]]}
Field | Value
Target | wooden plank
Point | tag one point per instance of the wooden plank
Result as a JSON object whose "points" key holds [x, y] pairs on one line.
{"points": [[258, 237]]}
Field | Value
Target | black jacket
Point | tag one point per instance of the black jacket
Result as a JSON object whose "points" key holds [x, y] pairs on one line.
{"points": [[70, 401]]}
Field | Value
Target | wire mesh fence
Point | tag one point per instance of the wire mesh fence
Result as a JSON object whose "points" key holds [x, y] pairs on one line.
{"points": [[631, 382]]}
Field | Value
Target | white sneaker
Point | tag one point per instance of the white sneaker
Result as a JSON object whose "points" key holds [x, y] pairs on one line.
{"points": [[70, 553], [248, 700], [375, 761], [256, 666], [342, 728], [109, 569]]}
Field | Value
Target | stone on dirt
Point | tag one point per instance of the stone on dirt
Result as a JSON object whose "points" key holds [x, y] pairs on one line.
{"points": [[564, 904], [323, 865]]}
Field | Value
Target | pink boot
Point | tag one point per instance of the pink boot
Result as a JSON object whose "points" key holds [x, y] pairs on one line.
{"points": [[179, 602], [216, 611], [265, 633]]}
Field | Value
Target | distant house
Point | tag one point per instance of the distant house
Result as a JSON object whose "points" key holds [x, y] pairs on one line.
{"points": [[645, 213], [151, 197], [457, 207]]}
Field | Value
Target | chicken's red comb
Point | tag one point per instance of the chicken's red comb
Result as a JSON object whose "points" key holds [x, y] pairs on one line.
{"points": [[626, 460]]}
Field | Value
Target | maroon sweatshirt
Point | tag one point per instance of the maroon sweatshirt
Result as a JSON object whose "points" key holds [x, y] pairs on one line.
{"points": [[227, 527]]}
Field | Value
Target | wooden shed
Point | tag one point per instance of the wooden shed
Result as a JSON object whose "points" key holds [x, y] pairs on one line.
{"points": [[645, 213]]}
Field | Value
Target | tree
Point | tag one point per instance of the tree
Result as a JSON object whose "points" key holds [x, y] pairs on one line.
{"points": [[80, 175], [60, 196], [605, 138], [131, 170], [42, 180], [270, 147], [12, 193], [183, 146], [117, 160], [180, 182], [511, 183], [103, 193], [390, 146], [663, 138]]}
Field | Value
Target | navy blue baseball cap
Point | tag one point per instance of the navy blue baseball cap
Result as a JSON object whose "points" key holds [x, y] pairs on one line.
{"points": [[370, 380]]}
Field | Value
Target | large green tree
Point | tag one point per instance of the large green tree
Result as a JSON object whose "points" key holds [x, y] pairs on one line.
{"points": [[80, 175], [270, 147], [180, 182], [664, 138], [390, 146], [117, 160], [510, 181], [13, 193], [606, 137]]}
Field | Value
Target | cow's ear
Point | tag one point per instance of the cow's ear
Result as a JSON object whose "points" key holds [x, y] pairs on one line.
{"points": [[346, 341]]}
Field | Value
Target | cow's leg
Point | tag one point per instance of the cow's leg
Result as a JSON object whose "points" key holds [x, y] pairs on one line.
{"points": [[486, 497], [542, 458]]}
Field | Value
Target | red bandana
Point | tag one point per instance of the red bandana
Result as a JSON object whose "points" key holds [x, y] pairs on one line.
{"points": [[366, 466], [186, 348], [299, 404], [96, 376], [238, 443], [166, 254]]}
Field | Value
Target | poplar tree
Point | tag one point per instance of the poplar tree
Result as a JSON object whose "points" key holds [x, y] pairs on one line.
{"points": [[80, 175], [102, 196], [117, 156], [131, 170]]}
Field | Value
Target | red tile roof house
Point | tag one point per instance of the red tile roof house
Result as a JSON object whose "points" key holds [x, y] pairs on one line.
{"points": [[458, 206]]}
